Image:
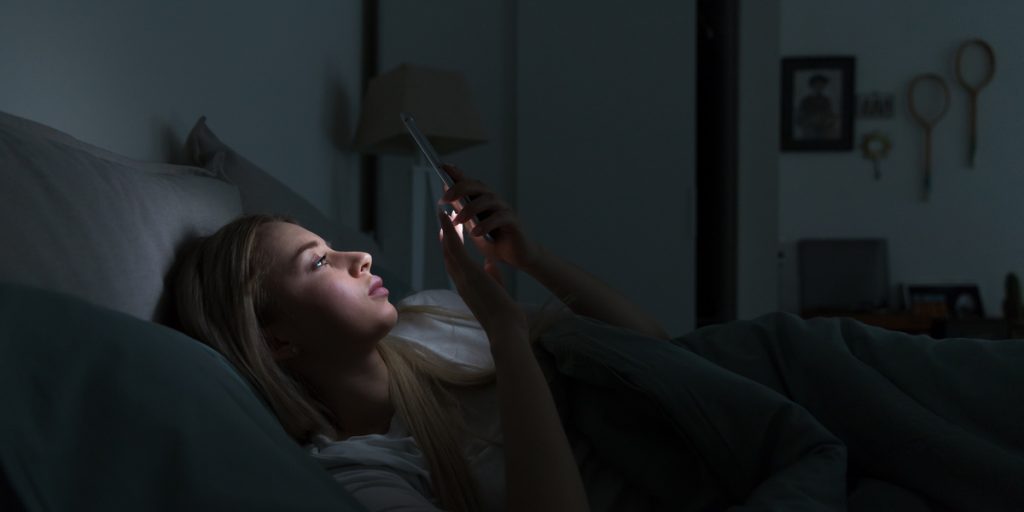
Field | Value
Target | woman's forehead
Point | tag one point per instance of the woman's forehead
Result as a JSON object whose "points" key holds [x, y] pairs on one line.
{"points": [[284, 237], [284, 230]]}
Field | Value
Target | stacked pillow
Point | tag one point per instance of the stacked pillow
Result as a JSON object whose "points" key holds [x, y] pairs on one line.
{"points": [[87, 222]]}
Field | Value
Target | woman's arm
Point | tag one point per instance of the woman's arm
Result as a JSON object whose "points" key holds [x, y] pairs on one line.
{"points": [[583, 293], [588, 296], [540, 471]]}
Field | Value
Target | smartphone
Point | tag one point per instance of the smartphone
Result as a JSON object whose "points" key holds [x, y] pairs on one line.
{"points": [[435, 161]]}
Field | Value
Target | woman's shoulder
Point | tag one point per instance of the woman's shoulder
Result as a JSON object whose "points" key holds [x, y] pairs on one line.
{"points": [[380, 470], [395, 448]]}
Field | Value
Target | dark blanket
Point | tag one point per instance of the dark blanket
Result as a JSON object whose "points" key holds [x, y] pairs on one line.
{"points": [[785, 414], [103, 411]]}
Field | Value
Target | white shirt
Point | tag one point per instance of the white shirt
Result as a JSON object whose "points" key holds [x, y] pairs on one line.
{"points": [[381, 471]]}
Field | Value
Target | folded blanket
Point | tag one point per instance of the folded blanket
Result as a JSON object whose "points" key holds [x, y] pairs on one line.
{"points": [[761, 414]]}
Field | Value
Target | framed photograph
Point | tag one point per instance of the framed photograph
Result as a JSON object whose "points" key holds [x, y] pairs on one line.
{"points": [[945, 301], [817, 104]]}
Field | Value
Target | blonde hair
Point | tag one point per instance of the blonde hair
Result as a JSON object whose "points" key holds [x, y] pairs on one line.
{"points": [[222, 300]]}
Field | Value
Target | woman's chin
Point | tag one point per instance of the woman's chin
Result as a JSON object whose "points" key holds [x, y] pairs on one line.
{"points": [[392, 316]]}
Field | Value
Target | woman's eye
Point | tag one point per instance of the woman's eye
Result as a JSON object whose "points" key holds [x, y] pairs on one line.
{"points": [[321, 261]]}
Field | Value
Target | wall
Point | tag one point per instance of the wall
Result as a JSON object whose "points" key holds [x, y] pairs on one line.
{"points": [[968, 231], [280, 83], [757, 273], [591, 111], [471, 37], [606, 105]]}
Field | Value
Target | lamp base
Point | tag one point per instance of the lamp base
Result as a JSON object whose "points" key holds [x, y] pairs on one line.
{"points": [[424, 199], [417, 209]]}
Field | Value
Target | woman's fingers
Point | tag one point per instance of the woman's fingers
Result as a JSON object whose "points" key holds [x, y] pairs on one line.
{"points": [[481, 199], [481, 288], [463, 186], [458, 262], [481, 205], [451, 242], [492, 215], [459, 228], [494, 221], [471, 189]]}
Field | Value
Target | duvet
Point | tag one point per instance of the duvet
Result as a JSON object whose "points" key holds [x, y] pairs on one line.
{"points": [[781, 413]]}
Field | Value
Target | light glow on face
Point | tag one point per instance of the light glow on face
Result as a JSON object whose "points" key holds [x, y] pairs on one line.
{"points": [[322, 296]]}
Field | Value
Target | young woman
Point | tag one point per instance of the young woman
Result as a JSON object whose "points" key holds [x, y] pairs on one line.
{"points": [[308, 325]]}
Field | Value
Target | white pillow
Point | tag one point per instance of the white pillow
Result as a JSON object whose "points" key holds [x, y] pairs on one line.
{"points": [[82, 220], [457, 336]]}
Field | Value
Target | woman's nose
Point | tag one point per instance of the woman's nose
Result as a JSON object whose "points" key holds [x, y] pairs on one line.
{"points": [[360, 262]]}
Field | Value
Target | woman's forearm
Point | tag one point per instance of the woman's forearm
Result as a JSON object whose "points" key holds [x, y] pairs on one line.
{"points": [[540, 471], [588, 296]]}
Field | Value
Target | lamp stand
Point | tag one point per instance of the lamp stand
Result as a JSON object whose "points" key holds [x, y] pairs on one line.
{"points": [[418, 191], [422, 174]]}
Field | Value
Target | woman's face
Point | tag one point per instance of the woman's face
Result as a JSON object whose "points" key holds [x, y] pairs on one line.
{"points": [[322, 301]]}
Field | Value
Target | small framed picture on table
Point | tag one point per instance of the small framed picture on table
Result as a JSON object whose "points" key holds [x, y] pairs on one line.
{"points": [[817, 104], [946, 301]]}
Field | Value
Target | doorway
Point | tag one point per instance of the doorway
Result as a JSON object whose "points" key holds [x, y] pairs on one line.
{"points": [[716, 173]]}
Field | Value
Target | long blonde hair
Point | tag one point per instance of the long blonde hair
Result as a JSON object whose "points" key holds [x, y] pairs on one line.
{"points": [[222, 300]]}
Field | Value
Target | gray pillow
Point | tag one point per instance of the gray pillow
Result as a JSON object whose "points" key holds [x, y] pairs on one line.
{"points": [[102, 411], [262, 193], [85, 221]]}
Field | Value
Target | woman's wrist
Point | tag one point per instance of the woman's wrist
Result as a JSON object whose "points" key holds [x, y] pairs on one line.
{"points": [[537, 261], [508, 344]]}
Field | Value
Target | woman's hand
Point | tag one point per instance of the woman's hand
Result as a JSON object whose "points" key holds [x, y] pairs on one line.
{"points": [[511, 244], [540, 471], [584, 294], [481, 289]]}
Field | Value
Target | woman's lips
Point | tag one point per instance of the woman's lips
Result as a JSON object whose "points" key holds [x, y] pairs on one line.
{"points": [[377, 287]]}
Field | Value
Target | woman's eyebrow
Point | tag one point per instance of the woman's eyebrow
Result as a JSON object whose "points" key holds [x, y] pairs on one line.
{"points": [[308, 245], [305, 247]]}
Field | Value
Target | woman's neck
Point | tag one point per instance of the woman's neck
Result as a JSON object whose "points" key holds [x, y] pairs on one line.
{"points": [[356, 392]]}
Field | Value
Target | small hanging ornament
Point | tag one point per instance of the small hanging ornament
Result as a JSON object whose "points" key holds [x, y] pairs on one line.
{"points": [[876, 147]]}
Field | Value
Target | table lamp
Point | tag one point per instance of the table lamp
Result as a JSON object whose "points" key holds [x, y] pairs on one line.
{"points": [[440, 101]]}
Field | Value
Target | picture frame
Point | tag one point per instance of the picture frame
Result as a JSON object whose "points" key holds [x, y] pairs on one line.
{"points": [[817, 103], [960, 301]]}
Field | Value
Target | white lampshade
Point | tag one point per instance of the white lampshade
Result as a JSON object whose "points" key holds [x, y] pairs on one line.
{"points": [[440, 101]]}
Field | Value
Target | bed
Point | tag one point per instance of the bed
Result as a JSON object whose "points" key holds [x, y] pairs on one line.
{"points": [[108, 408]]}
